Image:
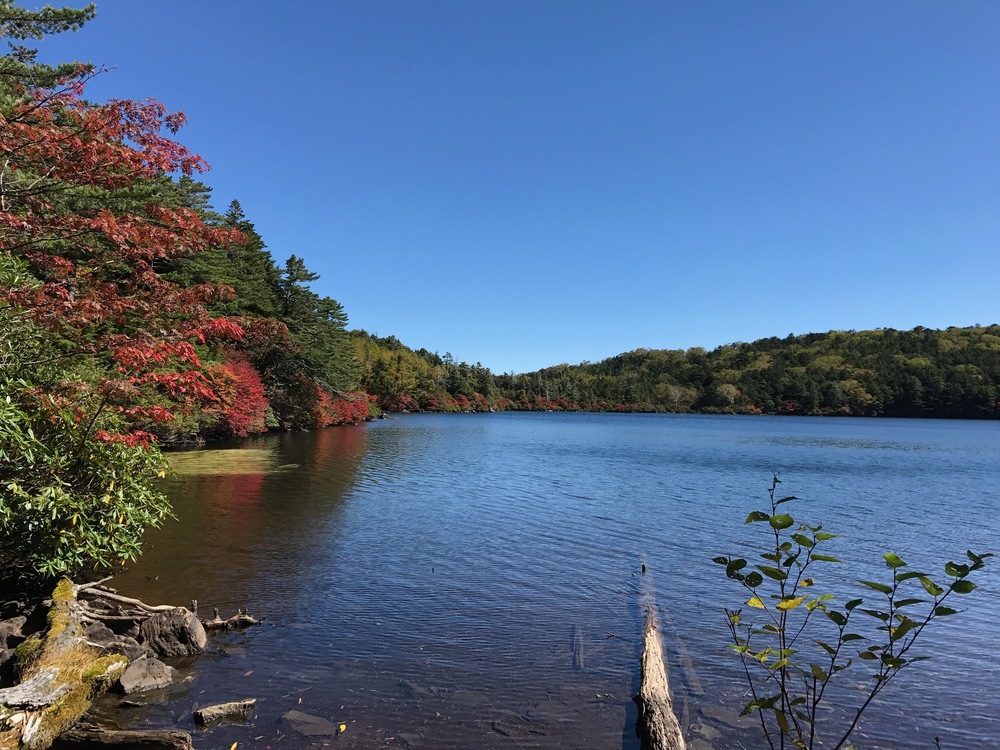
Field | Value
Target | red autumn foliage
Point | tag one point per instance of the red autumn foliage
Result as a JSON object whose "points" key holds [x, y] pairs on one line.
{"points": [[246, 410], [66, 161], [330, 410]]}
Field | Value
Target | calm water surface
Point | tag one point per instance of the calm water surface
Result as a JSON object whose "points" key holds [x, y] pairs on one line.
{"points": [[473, 581]]}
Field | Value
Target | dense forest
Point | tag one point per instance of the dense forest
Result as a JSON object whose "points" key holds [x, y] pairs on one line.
{"points": [[131, 314], [134, 315], [920, 373]]}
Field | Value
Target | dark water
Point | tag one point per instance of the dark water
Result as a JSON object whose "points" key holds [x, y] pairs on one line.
{"points": [[472, 581]]}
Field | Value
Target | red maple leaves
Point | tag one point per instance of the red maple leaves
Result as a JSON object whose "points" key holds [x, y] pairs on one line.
{"points": [[85, 206]]}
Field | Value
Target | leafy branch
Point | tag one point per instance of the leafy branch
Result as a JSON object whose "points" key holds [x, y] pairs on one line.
{"points": [[786, 663]]}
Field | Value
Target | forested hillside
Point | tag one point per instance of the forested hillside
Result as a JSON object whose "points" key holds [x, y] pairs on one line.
{"points": [[918, 373], [130, 314]]}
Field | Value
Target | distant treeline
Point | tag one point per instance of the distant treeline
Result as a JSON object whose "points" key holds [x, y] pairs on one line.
{"points": [[920, 373]]}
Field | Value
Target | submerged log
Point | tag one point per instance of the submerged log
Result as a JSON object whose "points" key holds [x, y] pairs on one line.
{"points": [[658, 728], [61, 671]]}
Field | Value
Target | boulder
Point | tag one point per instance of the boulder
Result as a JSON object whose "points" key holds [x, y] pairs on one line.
{"points": [[112, 643], [309, 725], [146, 674], [175, 633]]}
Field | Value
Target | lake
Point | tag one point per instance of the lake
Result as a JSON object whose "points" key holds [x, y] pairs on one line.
{"points": [[474, 581]]}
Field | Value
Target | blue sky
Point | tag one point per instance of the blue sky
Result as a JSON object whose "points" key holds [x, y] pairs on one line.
{"points": [[530, 183]]}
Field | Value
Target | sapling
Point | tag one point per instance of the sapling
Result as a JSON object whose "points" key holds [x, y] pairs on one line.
{"points": [[800, 640]]}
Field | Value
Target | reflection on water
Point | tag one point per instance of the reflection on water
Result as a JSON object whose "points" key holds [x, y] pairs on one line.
{"points": [[462, 581]]}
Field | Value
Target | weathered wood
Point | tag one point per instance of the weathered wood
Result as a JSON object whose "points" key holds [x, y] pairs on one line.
{"points": [[234, 711], [95, 738], [62, 675], [658, 728], [241, 619]]}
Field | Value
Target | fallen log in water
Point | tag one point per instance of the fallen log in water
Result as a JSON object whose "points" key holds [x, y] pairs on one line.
{"points": [[658, 728], [241, 619], [97, 738]]}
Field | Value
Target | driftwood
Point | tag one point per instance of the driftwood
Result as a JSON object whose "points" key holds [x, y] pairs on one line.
{"points": [[89, 737], [62, 673], [241, 619], [234, 711], [658, 727]]}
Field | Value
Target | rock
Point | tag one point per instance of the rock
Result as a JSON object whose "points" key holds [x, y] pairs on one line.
{"points": [[7, 662], [309, 725], [11, 627], [146, 674], [112, 643], [174, 633], [235, 711]]}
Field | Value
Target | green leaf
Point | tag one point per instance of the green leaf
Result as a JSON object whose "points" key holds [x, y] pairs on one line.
{"points": [[893, 560], [853, 604], [944, 611], [803, 540], [824, 536], [786, 499], [904, 627], [909, 602], [932, 588], [963, 587], [846, 637], [757, 515], [753, 579], [877, 586], [818, 673], [826, 647], [781, 521], [781, 719], [773, 573], [958, 571], [837, 617], [883, 616], [721, 560], [825, 558]]}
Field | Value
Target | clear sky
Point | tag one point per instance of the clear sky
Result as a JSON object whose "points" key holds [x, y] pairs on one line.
{"points": [[526, 183]]}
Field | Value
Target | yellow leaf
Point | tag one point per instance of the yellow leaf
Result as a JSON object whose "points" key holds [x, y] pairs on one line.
{"points": [[107, 499], [111, 487], [74, 520], [791, 603], [343, 727], [233, 746], [755, 601], [161, 474]]}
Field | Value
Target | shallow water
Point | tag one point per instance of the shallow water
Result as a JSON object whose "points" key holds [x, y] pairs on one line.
{"points": [[458, 581]]}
